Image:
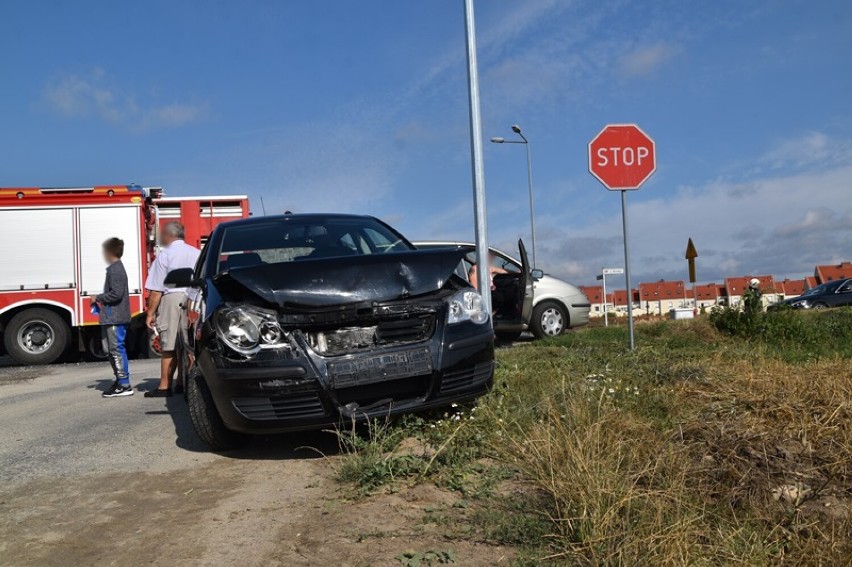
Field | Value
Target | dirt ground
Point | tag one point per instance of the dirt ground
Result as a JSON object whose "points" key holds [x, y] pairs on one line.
{"points": [[225, 513]]}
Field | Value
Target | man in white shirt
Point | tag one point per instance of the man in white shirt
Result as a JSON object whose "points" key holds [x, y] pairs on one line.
{"points": [[166, 311]]}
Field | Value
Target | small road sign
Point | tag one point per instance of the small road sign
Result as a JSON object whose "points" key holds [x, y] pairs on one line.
{"points": [[691, 255], [613, 271], [622, 157]]}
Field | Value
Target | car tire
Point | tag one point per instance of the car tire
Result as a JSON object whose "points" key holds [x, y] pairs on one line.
{"points": [[507, 336], [36, 336], [549, 319], [820, 306], [206, 420]]}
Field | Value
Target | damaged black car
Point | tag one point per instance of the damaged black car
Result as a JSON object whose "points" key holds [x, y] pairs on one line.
{"points": [[307, 321]]}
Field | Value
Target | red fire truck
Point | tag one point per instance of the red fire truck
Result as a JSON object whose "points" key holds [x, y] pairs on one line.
{"points": [[51, 264]]}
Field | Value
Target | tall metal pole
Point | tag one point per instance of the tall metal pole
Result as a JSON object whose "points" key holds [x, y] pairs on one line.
{"points": [[532, 208], [606, 315], [480, 217], [627, 269]]}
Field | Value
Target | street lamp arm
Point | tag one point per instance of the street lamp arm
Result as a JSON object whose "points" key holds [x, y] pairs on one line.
{"points": [[500, 140]]}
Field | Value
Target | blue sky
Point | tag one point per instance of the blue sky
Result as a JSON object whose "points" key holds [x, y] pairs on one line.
{"points": [[361, 107]]}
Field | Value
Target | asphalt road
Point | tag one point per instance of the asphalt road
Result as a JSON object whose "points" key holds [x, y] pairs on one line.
{"points": [[124, 482], [54, 422]]}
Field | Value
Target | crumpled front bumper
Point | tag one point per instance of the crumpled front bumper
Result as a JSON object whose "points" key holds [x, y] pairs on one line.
{"points": [[280, 391]]}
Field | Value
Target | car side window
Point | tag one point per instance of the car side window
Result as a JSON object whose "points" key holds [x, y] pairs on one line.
{"points": [[497, 261], [846, 288], [505, 264]]}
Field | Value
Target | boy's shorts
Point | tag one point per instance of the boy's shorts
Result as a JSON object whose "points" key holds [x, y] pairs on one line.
{"points": [[171, 320]]}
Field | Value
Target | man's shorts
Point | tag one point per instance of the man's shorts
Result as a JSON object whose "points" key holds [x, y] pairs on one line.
{"points": [[171, 320]]}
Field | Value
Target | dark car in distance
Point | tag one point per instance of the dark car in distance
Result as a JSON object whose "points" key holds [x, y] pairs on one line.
{"points": [[835, 293], [307, 321]]}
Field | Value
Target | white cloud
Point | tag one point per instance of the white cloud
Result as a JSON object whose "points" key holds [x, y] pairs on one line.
{"points": [[647, 59], [808, 149], [96, 95], [778, 224]]}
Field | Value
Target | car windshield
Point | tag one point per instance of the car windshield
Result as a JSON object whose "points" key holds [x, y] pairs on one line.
{"points": [[293, 239]]}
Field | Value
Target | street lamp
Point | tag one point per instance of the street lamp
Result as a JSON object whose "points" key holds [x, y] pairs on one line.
{"points": [[498, 140]]}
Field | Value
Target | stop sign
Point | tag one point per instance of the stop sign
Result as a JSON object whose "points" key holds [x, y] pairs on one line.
{"points": [[622, 157]]}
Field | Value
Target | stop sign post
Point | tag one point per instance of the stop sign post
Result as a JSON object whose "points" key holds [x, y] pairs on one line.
{"points": [[623, 157]]}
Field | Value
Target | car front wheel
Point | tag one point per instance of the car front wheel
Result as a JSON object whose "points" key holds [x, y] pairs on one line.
{"points": [[205, 417], [549, 319]]}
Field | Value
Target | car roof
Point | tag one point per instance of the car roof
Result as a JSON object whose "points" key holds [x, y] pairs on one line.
{"points": [[436, 243], [315, 217]]}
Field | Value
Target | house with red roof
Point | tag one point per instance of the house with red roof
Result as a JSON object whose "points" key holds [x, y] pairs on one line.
{"points": [[828, 273], [794, 288], [709, 295], [736, 287], [595, 295], [619, 299], [658, 298]]}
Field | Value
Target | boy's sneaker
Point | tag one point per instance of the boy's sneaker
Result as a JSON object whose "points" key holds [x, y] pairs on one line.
{"points": [[118, 391]]}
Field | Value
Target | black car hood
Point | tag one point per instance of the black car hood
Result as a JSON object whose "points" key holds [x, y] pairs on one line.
{"points": [[344, 280]]}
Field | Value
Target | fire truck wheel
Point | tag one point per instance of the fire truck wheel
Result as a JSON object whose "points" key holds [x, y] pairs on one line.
{"points": [[206, 419], [95, 350], [36, 336], [154, 350]]}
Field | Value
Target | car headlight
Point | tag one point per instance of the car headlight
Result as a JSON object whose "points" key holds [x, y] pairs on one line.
{"points": [[801, 304], [467, 305], [248, 329]]}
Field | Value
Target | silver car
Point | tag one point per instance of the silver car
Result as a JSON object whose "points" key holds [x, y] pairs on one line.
{"points": [[526, 299]]}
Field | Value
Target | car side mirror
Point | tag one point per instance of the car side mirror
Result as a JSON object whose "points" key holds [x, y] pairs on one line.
{"points": [[182, 277], [537, 274]]}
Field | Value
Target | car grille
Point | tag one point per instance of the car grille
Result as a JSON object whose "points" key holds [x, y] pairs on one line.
{"points": [[304, 406], [386, 332], [398, 390], [405, 330], [466, 378]]}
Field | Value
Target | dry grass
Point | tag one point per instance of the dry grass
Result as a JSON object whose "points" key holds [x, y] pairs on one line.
{"points": [[696, 450]]}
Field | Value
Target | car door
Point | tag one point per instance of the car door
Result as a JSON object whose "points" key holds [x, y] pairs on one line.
{"points": [[526, 283]]}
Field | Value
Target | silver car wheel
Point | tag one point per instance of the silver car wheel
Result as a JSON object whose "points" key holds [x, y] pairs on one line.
{"points": [[552, 322]]}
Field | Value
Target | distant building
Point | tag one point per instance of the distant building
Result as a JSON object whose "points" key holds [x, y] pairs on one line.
{"points": [[595, 295], [618, 299], [835, 272], [736, 287], [794, 288], [658, 298], [710, 295]]}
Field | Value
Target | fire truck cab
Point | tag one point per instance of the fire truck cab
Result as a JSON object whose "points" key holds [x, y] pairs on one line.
{"points": [[51, 264]]}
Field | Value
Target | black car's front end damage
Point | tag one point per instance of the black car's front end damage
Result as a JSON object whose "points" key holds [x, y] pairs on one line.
{"points": [[316, 343]]}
